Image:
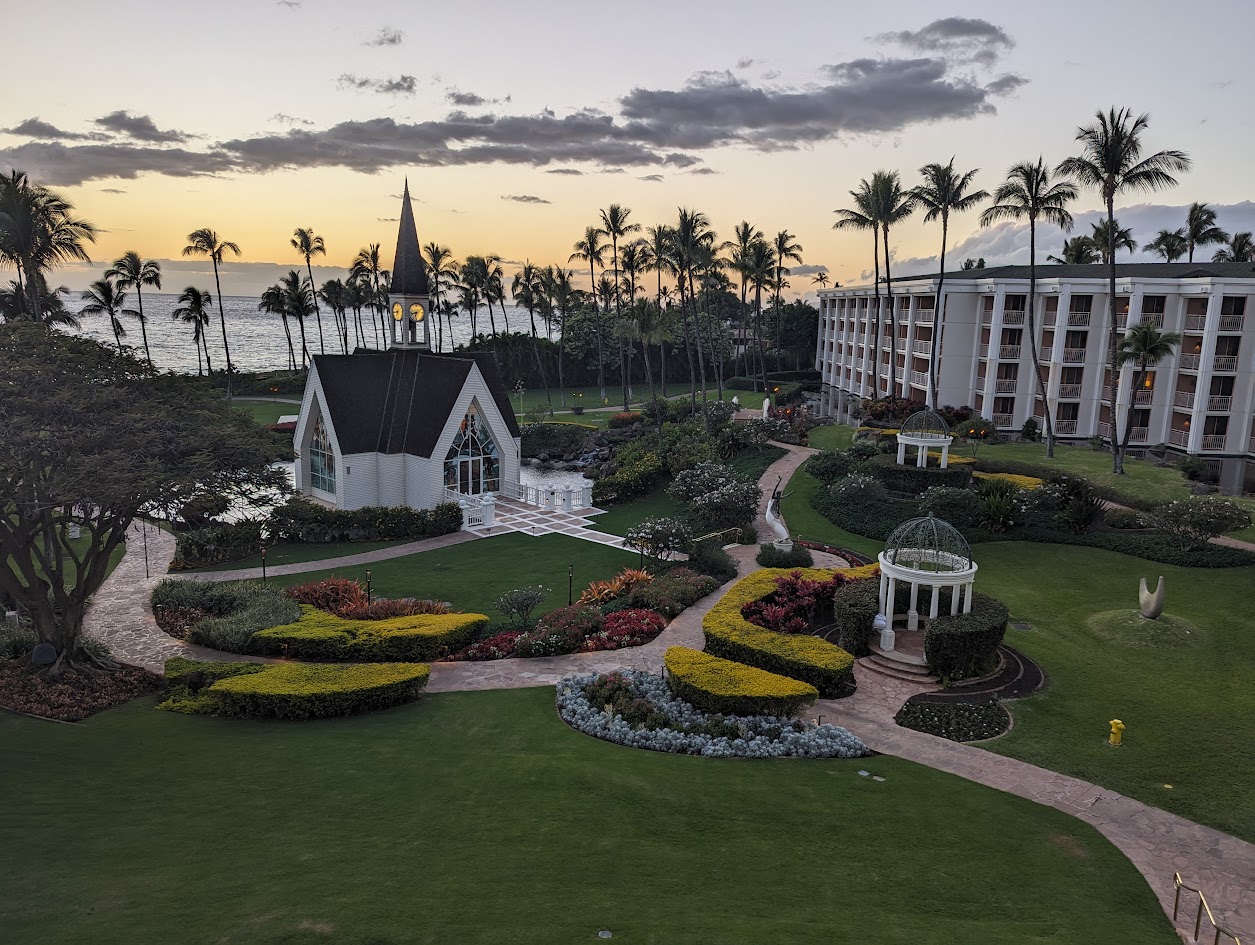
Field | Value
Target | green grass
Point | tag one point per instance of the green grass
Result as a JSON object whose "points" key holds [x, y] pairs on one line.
{"points": [[480, 818], [300, 553], [266, 411], [472, 576], [753, 463], [1190, 710], [619, 519], [834, 436]]}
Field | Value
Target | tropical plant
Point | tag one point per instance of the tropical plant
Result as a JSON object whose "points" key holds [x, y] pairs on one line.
{"points": [[1168, 245], [1241, 248], [442, 271], [367, 268], [614, 224], [891, 205], [785, 250], [820, 279], [1028, 193], [305, 242], [206, 242], [1143, 346], [591, 250], [1078, 251], [528, 290], [131, 272], [944, 191], [862, 217], [1111, 162], [103, 297], [759, 265], [193, 310], [1109, 238], [1201, 229], [335, 294], [273, 303]]}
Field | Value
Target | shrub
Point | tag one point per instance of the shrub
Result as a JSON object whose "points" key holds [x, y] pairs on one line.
{"points": [[659, 537], [912, 479], [1082, 511], [561, 631], [672, 592], [299, 520], [227, 614], [517, 605], [216, 544], [638, 469], [552, 439], [1192, 523], [710, 559], [1124, 519], [863, 450], [624, 418], [599, 592], [997, 510], [769, 556], [859, 488], [16, 640], [963, 645], [499, 646], [333, 595], [632, 627], [387, 608], [318, 635], [1022, 482], [716, 494], [873, 519], [296, 690], [854, 607], [959, 507], [719, 685], [1029, 430], [831, 465]]}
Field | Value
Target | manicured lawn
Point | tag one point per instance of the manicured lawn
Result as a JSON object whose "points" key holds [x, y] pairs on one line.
{"points": [[1190, 711], [299, 553], [752, 463], [266, 411], [619, 519], [474, 575], [834, 436], [480, 818]]}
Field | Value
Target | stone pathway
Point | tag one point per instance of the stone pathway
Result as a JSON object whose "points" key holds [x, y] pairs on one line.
{"points": [[781, 471], [515, 516]]}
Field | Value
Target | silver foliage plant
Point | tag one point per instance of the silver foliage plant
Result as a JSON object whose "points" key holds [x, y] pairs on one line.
{"points": [[763, 736]]}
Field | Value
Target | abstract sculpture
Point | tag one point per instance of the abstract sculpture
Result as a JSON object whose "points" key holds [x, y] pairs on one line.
{"points": [[1151, 604]]}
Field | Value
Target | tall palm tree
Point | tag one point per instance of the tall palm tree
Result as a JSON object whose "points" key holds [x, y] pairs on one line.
{"points": [[691, 238], [131, 272], [527, 290], [103, 297], [441, 271], [657, 246], [305, 242], [820, 279], [473, 286], [560, 295], [334, 293], [1109, 241], [738, 249], [272, 302], [761, 267], [892, 205], [1028, 193], [368, 266], [591, 250], [1168, 245], [1079, 250], [1201, 229], [206, 242], [1111, 162], [649, 327], [614, 224], [1240, 249], [786, 251], [194, 310], [357, 296], [468, 298], [943, 191], [298, 303], [861, 217], [1143, 346]]}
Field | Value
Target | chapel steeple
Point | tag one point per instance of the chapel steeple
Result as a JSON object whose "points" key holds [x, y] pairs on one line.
{"points": [[409, 291]]}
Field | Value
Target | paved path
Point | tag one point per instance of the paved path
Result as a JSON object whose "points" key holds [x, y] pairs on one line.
{"points": [[781, 471]]}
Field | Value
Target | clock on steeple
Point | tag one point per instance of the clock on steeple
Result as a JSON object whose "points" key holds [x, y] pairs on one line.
{"points": [[409, 293]]}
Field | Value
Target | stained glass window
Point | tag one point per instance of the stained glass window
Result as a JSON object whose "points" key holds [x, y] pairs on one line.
{"points": [[473, 464], [322, 460]]}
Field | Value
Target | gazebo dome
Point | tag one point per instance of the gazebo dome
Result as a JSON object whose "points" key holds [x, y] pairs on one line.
{"points": [[925, 424], [928, 544]]}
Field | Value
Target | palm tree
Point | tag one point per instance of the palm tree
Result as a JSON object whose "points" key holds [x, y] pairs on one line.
{"points": [[738, 249], [1240, 249], [103, 297], [131, 272], [892, 205], [205, 242], [527, 290], [760, 265], [308, 245], [1109, 241], [335, 294], [691, 239], [591, 250], [944, 191], [1111, 162], [298, 302], [614, 224], [273, 303], [368, 267], [1143, 346], [786, 251], [468, 298], [357, 296], [560, 295], [1168, 245], [1201, 229], [657, 246], [648, 325], [442, 271], [861, 217], [1028, 193], [1079, 250], [194, 310], [820, 279]]}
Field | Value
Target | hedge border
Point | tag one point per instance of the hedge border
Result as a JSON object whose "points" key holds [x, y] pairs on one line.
{"points": [[319, 635], [713, 684]]}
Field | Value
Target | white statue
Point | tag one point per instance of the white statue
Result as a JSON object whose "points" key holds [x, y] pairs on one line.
{"points": [[1151, 604]]}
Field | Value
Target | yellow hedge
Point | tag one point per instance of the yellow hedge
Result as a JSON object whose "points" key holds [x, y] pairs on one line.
{"points": [[1024, 482], [824, 665], [953, 461], [719, 685], [320, 635]]}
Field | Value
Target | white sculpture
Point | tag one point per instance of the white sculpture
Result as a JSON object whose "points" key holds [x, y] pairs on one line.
{"points": [[1151, 604]]}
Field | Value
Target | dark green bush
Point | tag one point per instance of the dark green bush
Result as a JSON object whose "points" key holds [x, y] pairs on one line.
{"points": [[1124, 519], [912, 479], [831, 465], [216, 544], [552, 439], [302, 521], [854, 607], [959, 507], [233, 610], [963, 646], [769, 556], [989, 461], [710, 559], [876, 519]]}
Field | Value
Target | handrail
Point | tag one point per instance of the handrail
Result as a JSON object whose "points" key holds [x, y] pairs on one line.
{"points": [[723, 533], [1180, 884]]}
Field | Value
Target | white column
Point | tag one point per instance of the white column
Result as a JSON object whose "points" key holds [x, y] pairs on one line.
{"points": [[945, 455], [967, 601], [921, 456], [884, 584], [891, 599], [911, 310], [955, 592], [1198, 415], [901, 453], [932, 610]]}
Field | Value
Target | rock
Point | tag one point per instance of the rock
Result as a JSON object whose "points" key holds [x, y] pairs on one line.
{"points": [[44, 654]]}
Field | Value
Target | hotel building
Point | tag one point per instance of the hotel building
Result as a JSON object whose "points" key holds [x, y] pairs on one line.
{"points": [[1200, 401]]}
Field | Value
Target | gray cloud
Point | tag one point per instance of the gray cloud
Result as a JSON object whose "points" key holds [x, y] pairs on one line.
{"points": [[290, 4], [140, 127], [401, 85], [387, 36], [69, 165], [38, 128], [702, 170], [745, 62], [473, 99], [525, 198], [574, 172], [971, 40], [388, 219], [111, 190], [282, 118], [652, 178], [807, 270]]}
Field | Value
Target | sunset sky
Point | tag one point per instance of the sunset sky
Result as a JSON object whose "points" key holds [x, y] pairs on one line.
{"points": [[516, 122]]}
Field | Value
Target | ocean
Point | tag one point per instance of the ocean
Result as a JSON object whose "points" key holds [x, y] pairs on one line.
{"points": [[256, 338]]}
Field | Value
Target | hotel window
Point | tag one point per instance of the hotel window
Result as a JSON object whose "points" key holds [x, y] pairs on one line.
{"points": [[1081, 303], [1154, 304], [322, 460]]}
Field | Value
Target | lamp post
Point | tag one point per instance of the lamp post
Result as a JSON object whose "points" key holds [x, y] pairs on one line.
{"points": [[368, 587], [263, 564], [570, 584]]}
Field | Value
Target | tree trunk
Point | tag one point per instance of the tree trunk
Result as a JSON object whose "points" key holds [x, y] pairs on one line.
{"points": [[1138, 377], [531, 314], [204, 340], [1032, 336], [222, 318], [304, 347], [893, 324], [875, 347], [1117, 460], [601, 376], [143, 322], [938, 317]]}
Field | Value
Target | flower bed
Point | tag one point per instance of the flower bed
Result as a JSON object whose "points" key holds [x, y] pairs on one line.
{"points": [[957, 721], [319, 635], [72, 696], [646, 714], [718, 685]]}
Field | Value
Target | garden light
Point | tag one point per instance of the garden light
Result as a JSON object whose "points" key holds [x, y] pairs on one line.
{"points": [[368, 586], [263, 564]]}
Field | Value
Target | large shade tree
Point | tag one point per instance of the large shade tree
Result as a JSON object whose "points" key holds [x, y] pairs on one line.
{"points": [[92, 439]]}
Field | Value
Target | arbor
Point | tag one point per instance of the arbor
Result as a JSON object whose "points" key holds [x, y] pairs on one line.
{"points": [[305, 242], [90, 438], [131, 272], [860, 217], [1143, 346], [591, 250], [194, 310], [1201, 229], [103, 297], [1168, 245], [1241, 248], [205, 242], [944, 191], [890, 205], [1028, 193], [1111, 162]]}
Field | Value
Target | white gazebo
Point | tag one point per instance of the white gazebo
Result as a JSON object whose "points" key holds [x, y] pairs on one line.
{"points": [[924, 430], [929, 552]]}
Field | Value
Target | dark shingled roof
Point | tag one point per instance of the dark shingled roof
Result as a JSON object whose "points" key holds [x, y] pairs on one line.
{"points": [[409, 274], [1151, 270], [398, 401]]}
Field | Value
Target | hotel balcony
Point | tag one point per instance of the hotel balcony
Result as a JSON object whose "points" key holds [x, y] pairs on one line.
{"points": [[1227, 363], [1005, 385], [1190, 362], [924, 316], [1231, 322], [1013, 317], [1104, 428], [1065, 427], [1122, 321], [1214, 441], [922, 347], [1143, 396], [1179, 438], [1069, 391], [1138, 435], [1219, 404], [1009, 352], [1195, 322], [1073, 355], [1004, 420], [1078, 319], [919, 379], [1183, 400]]}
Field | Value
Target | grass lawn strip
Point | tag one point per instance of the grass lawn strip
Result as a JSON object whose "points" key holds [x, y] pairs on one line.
{"points": [[465, 792], [299, 554]]}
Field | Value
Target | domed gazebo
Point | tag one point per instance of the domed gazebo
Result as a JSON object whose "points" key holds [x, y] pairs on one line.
{"points": [[924, 430], [925, 551]]}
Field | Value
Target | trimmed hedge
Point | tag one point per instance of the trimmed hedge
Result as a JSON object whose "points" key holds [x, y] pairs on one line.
{"points": [[824, 665], [912, 479], [769, 556], [319, 635], [962, 646], [718, 685], [854, 607], [290, 690], [302, 521]]}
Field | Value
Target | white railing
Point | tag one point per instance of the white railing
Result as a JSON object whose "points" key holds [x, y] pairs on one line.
{"points": [[1225, 362], [1220, 404], [1231, 322], [1138, 435], [1065, 427], [922, 347], [1004, 420], [924, 316], [1214, 441], [1073, 355], [1156, 320], [1179, 438], [567, 499], [1183, 400], [475, 511], [1104, 428], [1121, 321], [1190, 362], [1009, 352], [1005, 385], [1195, 322], [1013, 317], [919, 378], [1078, 319], [1070, 391]]}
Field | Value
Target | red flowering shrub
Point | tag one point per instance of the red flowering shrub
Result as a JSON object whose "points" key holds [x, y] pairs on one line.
{"points": [[624, 418], [561, 631], [793, 606], [497, 647], [625, 628], [332, 595]]}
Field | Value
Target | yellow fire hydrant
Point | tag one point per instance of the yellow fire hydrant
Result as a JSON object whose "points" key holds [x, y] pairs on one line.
{"points": [[1117, 732]]}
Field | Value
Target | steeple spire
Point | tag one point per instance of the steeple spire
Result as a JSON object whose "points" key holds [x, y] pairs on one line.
{"points": [[409, 274]]}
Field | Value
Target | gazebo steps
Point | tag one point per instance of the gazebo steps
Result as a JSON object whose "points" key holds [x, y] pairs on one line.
{"points": [[883, 664]]}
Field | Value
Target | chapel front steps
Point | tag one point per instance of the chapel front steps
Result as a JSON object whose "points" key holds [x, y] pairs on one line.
{"points": [[899, 665]]}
